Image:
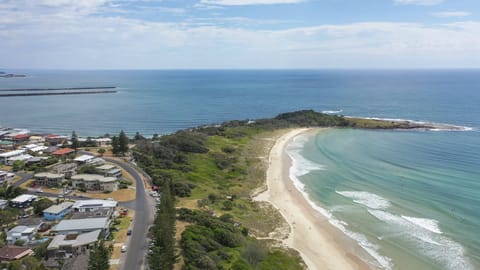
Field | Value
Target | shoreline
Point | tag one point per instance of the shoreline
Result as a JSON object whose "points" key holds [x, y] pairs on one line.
{"points": [[320, 244]]}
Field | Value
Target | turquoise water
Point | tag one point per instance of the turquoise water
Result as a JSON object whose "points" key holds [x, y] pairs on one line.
{"points": [[411, 198]]}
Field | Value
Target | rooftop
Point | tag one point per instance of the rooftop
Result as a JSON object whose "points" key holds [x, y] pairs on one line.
{"points": [[82, 224], [48, 175], [56, 209], [94, 177], [74, 240], [106, 167], [12, 153], [84, 158], [95, 203], [63, 151], [14, 252], [24, 198]]}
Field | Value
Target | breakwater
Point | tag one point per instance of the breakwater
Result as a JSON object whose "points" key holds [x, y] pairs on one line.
{"points": [[58, 93], [57, 89], [25, 92]]}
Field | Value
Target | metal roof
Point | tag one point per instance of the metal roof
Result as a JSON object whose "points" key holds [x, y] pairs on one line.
{"points": [[84, 158], [82, 224], [56, 209], [95, 203], [81, 240]]}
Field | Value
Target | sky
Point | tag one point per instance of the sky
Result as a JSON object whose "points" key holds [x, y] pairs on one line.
{"points": [[239, 34]]}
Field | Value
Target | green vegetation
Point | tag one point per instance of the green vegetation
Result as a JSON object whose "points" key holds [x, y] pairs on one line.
{"points": [[220, 243], [163, 253], [30, 263], [18, 165], [40, 205], [75, 142], [10, 192], [99, 257], [120, 144], [219, 167]]}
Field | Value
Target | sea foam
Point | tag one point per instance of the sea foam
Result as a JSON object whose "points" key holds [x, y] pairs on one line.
{"points": [[368, 199], [301, 166], [427, 237], [428, 224], [332, 112]]}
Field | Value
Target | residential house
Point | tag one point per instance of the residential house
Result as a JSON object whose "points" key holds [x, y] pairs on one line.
{"points": [[4, 157], [83, 159], [110, 170], [94, 182], [63, 152], [102, 142], [21, 233], [80, 226], [23, 201], [6, 176], [24, 157], [21, 138], [94, 205], [67, 169], [37, 139], [55, 139], [13, 253], [49, 179], [6, 144], [73, 244], [57, 212]]}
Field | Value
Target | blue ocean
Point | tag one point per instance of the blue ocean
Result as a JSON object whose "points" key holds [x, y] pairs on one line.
{"points": [[410, 198]]}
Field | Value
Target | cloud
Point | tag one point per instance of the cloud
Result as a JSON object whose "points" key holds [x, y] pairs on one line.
{"points": [[62, 38], [451, 14], [248, 2], [418, 2]]}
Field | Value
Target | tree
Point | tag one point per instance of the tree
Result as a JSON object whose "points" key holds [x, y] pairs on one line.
{"points": [[40, 205], [115, 145], [99, 258], [101, 151], [122, 143], [163, 255], [18, 165], [74, 140], [138, 137]]}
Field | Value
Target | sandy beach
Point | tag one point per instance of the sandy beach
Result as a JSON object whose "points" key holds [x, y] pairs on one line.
{"points": [[321, 245]]}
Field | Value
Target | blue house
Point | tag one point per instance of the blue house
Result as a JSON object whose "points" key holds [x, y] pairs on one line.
{"points": [[57, 212]]}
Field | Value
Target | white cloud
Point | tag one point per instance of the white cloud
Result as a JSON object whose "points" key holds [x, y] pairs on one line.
{"points": [[451, 14], [418, 2], [248, 2], [65, 39]]}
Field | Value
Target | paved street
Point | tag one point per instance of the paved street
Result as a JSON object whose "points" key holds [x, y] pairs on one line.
{"points": [[144, 215]]}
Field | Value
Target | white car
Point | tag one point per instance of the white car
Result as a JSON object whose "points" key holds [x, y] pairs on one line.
{"points": [[124, 248]]}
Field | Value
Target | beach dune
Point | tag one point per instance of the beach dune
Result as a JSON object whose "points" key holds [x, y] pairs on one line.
{"points": [[321, 245]]}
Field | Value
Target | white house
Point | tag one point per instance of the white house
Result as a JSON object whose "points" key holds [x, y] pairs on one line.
{"points": [[21, 233], [4, 157], [94, 205]]}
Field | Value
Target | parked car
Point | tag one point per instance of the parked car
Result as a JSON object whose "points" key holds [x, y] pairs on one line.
{"points": [[129, 232], [124, 248]]}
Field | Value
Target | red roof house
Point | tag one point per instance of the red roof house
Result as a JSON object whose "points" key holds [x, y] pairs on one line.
{"points": [[12, 253], [63, 152], [21, 137]]}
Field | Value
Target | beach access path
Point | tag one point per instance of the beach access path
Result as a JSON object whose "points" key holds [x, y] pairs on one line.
{"points": [[321, 245]]}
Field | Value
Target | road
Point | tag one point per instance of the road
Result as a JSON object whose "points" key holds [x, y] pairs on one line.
{"points": [[135, 257]]}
